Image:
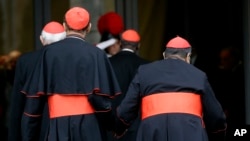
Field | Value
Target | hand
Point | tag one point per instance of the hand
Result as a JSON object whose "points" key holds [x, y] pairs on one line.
{"points": [[121, 135], [226, 113]]}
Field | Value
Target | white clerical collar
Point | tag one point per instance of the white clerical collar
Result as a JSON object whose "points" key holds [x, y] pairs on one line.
{"points": [[127, 49]]}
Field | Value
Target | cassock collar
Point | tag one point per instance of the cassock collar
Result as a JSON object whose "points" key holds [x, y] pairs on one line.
{"points": [[75, 36]]}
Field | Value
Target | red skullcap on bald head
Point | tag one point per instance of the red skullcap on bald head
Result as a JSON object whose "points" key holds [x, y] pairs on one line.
{"points": [[77, 18], [178, 42], [131, 36]]}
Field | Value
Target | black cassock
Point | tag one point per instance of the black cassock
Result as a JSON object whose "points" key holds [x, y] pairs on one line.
{"points": [[177, 103], [69, 68], [24, 68], [125, 64]]}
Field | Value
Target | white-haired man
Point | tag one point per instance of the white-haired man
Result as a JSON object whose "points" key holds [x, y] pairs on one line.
{"points": [[52, 32]]}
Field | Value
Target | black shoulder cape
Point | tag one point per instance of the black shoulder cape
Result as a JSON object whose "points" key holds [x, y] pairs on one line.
{"points": [[72, 66]]}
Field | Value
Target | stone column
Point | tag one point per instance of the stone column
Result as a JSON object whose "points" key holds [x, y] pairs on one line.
{"points": [[128, 9], [16, 25]]}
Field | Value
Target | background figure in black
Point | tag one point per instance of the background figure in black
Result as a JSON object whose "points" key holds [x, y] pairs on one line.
{"points": [[110, 26], [7, 70], [52, 32], [3, 104], [228, 84], [125, 64], [11, 65]]}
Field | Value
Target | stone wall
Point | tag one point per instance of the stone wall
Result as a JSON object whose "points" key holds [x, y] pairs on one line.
{"points": [[16, 25]]}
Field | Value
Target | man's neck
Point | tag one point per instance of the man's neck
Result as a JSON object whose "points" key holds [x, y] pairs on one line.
{"points": [[176, 57], [78, 34]]}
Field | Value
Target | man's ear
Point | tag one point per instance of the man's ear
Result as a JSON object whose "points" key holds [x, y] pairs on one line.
{"points": [[138, 47], [163, 54], [65, 26], [42, 40], [89, 28], [188, 58]]}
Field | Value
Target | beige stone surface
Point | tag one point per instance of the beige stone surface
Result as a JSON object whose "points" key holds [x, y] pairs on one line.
{"points": [[16, 26]]}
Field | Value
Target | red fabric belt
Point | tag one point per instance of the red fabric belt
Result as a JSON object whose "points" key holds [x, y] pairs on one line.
{"points": [[171, 102], [68, 105]]}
